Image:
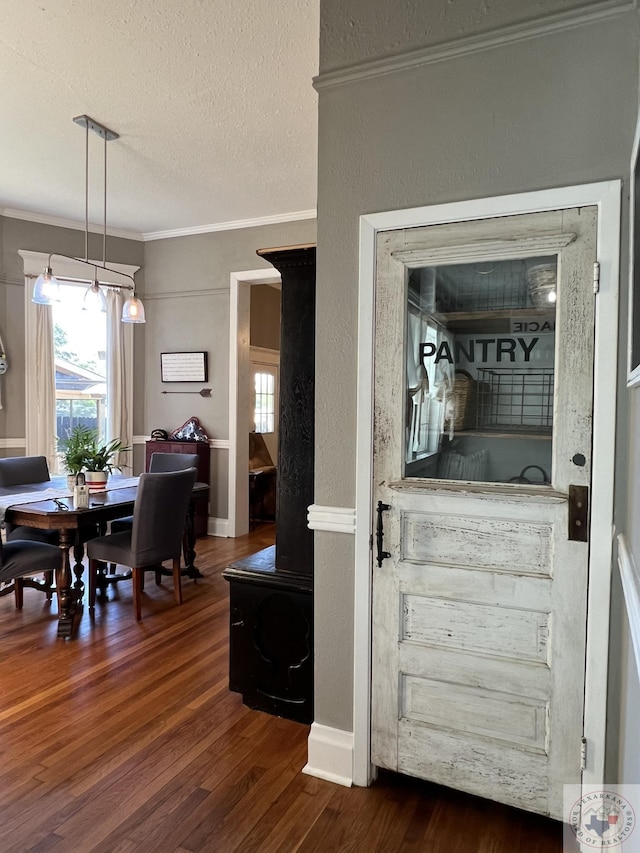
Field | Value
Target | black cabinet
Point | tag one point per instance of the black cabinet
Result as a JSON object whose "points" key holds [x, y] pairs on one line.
{"points": [[271, 637]]}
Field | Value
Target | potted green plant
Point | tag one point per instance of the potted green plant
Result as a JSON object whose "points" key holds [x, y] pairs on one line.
{"points": [[73, 450], [99, 461]]}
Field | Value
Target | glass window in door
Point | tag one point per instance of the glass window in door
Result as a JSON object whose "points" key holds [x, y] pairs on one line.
{"points": [[480, 359]]}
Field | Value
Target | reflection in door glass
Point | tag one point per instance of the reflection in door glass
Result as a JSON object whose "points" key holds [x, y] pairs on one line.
{"points": [[480, 344]]}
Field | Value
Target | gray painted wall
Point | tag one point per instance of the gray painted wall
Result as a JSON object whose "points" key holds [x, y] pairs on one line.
{"points": [[265, 317], [353, 32], [187, 308], [544, 112]]}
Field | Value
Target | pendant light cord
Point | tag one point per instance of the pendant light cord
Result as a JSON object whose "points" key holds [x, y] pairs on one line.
{"points": [[46, 287], [104, 219], [86, 193]]}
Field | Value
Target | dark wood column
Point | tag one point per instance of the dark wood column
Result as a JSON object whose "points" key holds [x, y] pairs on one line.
{"points": [[294, 542], [271, 592]]}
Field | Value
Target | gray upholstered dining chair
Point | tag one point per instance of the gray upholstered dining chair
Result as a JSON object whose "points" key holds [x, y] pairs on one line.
{"points": [[22, 558], [16, 471], [158, 464], [159, 515]]}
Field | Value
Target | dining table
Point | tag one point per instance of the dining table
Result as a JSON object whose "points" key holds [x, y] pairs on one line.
{"points": [[49, 506]]}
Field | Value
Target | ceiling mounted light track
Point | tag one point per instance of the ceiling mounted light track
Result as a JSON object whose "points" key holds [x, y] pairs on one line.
{"points": [[46, 289]]}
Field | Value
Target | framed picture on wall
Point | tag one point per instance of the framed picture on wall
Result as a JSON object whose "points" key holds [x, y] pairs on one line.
{"points": [[183, 366], [633, 377]]}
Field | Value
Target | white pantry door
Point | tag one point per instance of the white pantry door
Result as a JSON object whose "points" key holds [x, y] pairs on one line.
{"points": [[483, 422]]}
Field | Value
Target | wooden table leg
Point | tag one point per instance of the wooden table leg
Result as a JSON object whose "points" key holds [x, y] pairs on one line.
{"points": [[78, 568], [189, 545], [67, 595]]}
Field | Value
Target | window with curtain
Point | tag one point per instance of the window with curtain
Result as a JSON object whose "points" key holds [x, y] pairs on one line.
{"points": [[111, 361]]}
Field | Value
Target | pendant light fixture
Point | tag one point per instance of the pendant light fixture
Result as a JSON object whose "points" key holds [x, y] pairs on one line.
{"points": [[133, 310], [46, 289], [94, 298]]}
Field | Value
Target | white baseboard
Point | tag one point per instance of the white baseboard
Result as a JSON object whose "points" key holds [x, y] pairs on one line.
{"points": [[218, 527], [330, 755]]}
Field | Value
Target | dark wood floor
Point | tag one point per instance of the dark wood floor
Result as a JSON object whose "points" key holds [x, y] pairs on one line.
{"points": [[127, 739]]}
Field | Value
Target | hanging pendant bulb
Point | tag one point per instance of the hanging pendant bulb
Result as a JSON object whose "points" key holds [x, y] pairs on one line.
{"points": [[46, 290], [94, 299], [133, 310]]}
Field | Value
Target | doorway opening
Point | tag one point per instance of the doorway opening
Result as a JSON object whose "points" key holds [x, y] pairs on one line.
{"points": [[241, 414]]}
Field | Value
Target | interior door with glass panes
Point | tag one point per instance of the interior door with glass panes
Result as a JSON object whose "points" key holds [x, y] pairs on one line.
{"points": [[482, 446]]}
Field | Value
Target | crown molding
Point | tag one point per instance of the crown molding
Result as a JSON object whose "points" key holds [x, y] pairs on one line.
{"points": [[456, 48], [59, 222], [232, 225]]}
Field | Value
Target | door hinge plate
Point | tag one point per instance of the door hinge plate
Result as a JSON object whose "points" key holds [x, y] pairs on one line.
{"points": [[583, 754], [596, 277], [578, 513]]}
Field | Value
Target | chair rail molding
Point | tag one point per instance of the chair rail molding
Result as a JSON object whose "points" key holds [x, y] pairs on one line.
{"points": [[214, 443], [336, 519], [181, 294], [6, 443]]}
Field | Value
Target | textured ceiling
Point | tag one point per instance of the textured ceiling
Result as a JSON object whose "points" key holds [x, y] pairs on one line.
{"points": [[212, 99]]}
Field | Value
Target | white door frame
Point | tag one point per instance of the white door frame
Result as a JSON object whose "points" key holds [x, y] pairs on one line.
{"points": [[606, 196], [239, 422]]}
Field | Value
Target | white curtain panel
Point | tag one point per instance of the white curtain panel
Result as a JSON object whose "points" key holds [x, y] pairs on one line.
{"points": [[119, 352], [40, 380]]}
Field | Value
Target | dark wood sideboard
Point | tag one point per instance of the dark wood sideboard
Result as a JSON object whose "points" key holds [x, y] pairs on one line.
{"points": [[271, 592], [201, 448]]}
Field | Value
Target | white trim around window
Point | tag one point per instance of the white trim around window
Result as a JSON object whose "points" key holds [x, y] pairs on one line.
{"points": [[34, 263]]}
